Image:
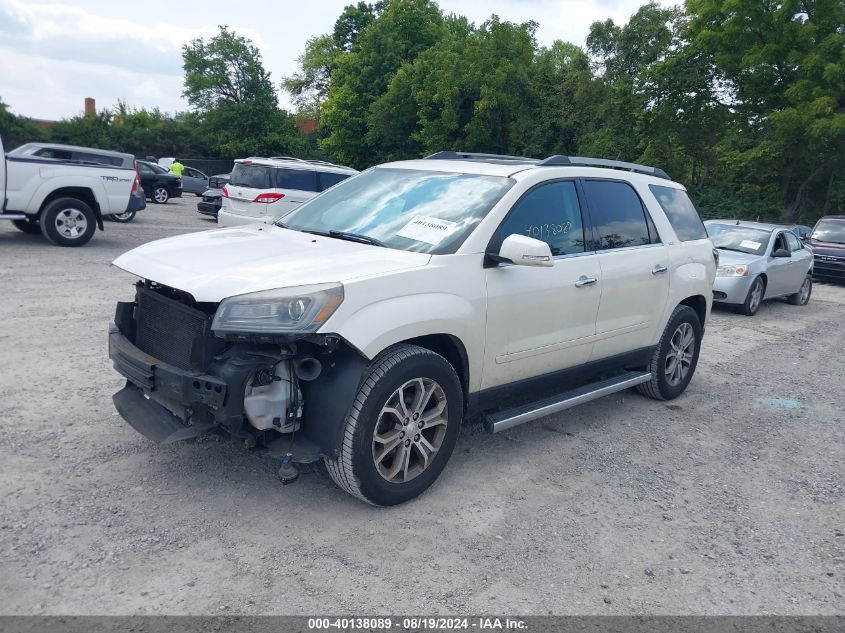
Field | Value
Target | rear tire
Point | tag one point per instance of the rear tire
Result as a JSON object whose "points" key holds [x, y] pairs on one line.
{"points": [[406, 418], [754, 298], [123, 218], [160, 195], [68, 222], [802, 297], [28, 226], [674, 361]]}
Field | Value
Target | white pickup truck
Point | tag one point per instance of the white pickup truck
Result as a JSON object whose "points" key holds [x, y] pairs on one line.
{"points": [[63, 191]]}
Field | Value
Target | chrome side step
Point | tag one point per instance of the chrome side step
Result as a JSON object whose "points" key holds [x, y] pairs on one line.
{"points": [[509, 418], [12, 215]]}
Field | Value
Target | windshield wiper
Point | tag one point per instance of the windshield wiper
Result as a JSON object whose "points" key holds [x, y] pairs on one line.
{"points": [[340, 235], [735, 250], [356, 237]]}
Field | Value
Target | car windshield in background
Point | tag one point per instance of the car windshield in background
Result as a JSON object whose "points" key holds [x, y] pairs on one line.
{"points": [[251, 176], [830, 231], [742, 239], [407, 209]]}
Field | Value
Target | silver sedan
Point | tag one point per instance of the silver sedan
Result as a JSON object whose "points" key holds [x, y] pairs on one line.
{"points": [[757, 262]]}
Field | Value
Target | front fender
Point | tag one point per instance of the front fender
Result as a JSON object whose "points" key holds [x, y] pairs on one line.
{"points": [[377, 326]]}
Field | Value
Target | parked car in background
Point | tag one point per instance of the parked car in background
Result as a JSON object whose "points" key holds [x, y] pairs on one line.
{"points": [[139, 202], [266, 189], [210, 203], [219, 181], [801, 230], [159, 183], [194, 181], [757, 262], [64, 191], [828, 243]]}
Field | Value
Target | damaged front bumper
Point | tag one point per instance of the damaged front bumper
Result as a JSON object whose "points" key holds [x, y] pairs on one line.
{"points": [[203, 384]]}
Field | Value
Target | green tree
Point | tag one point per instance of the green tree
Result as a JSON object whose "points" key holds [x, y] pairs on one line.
{"points": [[234, 100], [226, 68], [403, 30], [16, 130], [784, 67]]}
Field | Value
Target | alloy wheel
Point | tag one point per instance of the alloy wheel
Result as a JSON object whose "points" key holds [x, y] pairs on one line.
{"points": [[410, 430], [679, 356], [71, 223], [756, 296]]}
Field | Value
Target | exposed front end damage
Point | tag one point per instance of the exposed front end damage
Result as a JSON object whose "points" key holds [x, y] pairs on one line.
{"points": [[288, 392]]}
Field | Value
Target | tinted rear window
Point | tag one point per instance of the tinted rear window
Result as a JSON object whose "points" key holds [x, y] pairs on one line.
{"points": [[300, 179], [618, 215], [251, 176], [328, 179], [680, 212]]}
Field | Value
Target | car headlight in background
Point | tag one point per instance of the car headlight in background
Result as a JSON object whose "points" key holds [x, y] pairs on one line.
{"points": [[296, 309], [729, 270]]}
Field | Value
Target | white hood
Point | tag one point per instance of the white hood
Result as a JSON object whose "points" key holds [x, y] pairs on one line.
{"points": [[216, 264]]}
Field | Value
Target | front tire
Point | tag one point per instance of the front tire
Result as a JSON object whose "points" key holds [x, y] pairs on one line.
{"points": [[754, 297], [674, 361], [68, 222], [160, 195], [802, 297], [30, 227], [401, 429]]}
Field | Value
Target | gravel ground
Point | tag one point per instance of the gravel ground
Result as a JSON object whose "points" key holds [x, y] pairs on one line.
{"points": [[728, 500]]}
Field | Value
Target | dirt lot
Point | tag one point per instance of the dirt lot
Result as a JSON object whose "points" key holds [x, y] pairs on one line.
{"points": [[729, 500]]}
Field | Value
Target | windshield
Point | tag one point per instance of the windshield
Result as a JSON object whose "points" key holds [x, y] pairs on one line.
{"points": [[730, 237], [408, 209], [830, 231]]}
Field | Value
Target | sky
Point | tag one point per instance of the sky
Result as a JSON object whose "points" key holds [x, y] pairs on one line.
{"points": [[54, 54]]}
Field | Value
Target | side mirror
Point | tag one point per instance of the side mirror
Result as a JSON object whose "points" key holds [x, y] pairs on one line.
{"points": [[781, 252], [522, 250]]}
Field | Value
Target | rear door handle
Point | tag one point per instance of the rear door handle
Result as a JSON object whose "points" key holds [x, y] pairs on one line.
{"points": [[659, 268], [585, 281]]}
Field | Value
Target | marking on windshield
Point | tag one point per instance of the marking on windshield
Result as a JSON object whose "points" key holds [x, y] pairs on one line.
{"points": [[423, 228], [750, 244]]}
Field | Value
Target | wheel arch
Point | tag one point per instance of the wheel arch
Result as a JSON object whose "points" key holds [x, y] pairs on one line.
{"points": [[449, 347], [84, 194], [699, 304]]}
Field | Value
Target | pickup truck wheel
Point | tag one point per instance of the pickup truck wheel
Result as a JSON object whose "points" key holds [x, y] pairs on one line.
{"points": [[160, 195], [673, 363], [28, 226], [126, 216], [68, 222], [401, 428]]}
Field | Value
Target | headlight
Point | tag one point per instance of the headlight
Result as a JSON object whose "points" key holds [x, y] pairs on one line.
{"points": [[732, 271], [296, 309]]}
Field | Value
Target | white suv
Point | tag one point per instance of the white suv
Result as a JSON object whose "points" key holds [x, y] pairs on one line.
{"points": [[368, 323], [266, 189]]}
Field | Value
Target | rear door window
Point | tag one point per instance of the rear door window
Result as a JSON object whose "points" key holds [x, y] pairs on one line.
{"points": [[329, 179], [251, 176], [299, 179], [618, 216], [680, 212]]}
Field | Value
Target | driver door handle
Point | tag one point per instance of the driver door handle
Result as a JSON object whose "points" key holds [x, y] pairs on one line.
{"points": [[659, 268], [585, 281]]}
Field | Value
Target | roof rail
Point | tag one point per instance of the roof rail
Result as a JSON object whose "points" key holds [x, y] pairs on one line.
{"points": [[582, 161], [451, 155]]}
